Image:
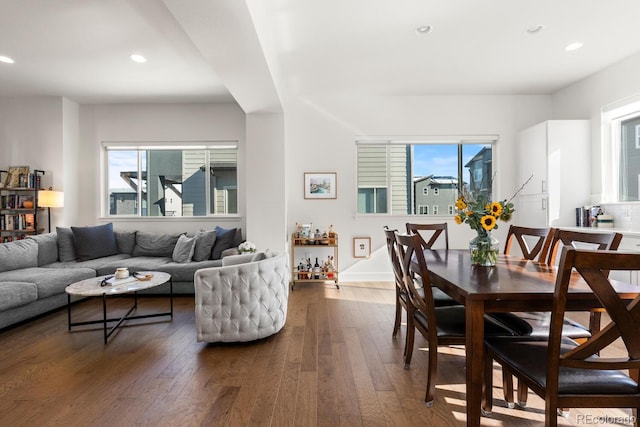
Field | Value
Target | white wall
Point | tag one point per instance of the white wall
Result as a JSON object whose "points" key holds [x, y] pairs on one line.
{"points": [[320, 137], [31, 135], [585, 99], [264, 182]]}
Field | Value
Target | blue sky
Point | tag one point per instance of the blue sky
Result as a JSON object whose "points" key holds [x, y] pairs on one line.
{"points": [[441, 160]]}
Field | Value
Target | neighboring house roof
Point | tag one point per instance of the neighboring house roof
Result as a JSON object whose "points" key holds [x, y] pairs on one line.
{"points": [[436, 179]]}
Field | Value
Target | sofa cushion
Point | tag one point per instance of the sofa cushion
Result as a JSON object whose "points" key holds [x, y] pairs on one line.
{"points": [[204, 244], [226, 240], [18, 254], [15, 294], [50, 281], [94, 242], [125, 241], [154, 244], [66, 246], [134, 264], [183, 272], [183, 251], [47, 248]]}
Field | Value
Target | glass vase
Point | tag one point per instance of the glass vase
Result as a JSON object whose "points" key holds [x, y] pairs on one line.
{"points": [[484, 249]]}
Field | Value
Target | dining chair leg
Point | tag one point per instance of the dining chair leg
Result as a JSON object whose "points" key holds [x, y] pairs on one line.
{"points": [[396, 325], [432, 373], [507, 388], [523, 394], [408, 348], [487, 386]]}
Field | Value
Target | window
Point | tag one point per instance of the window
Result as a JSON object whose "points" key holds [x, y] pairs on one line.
{"points": [[163, 181], [395, 177], [621, 152]]}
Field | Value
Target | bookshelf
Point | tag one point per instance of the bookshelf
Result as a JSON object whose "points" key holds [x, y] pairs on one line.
{"points": [[19, 206]]}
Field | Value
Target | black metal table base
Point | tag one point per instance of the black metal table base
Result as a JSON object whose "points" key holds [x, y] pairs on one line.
{"points": [[105, 321]]}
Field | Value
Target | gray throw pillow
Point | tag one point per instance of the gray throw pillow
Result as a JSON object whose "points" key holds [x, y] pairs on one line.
{"points": [[66, 246], [94, 242], [183, 251], [204, 243], [126, 241], [152, 244], [47, 248]]}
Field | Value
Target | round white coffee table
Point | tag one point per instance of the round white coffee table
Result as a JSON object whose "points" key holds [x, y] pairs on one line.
{"points": [[105, 286]]}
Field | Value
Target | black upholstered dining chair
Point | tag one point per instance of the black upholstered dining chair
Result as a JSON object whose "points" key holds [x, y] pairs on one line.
{"points": [[444, 325], [567, 374]]}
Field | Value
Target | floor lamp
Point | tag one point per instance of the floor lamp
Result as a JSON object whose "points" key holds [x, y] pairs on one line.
{"points": [[50, 199]]}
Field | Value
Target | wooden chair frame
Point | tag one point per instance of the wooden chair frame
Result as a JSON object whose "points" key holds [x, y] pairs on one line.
{"points": [[518, 233], [593, 266], [401, 291], [437, 229]]}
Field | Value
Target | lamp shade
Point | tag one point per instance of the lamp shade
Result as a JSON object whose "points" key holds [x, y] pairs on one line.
{"points": [[50, 199]]}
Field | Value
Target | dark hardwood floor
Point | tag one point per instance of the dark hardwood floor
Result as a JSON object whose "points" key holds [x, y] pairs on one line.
{"points": [[334, 364]]}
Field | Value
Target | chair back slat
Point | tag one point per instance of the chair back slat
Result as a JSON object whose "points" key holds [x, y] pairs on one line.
{"points": [[520, 235], [393, 256], [600, 241], [593, 266], [414, 267], [433, 231]]}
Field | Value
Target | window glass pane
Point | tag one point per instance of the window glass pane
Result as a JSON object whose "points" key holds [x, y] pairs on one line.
{"points": [[629, 160], [122, 182], [419, 179], [223, 181], [435, 168], [173, 182], [372, 174], [478, 170], [164, 183]]}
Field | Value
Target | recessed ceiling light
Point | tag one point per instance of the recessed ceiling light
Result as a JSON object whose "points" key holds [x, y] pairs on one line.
{"points": [[6, 60], [573, 46], [136, 57], [424, 29], [535, 29]]}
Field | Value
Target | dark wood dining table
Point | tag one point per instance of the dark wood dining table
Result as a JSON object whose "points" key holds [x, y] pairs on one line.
{"points": [[514, 284]]}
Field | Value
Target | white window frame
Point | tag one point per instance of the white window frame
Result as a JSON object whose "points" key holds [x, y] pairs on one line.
{"points": [[459, 140], [159, 145], [425, 191], [612, 116], [434, 209]]}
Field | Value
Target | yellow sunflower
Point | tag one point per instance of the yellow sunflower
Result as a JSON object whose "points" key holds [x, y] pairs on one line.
{"points": [[458, 219], [496, 209], [488, 222], [469, 213], [460, 204]]}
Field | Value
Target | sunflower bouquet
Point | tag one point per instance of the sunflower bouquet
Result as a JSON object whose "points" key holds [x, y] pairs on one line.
{"points": [[482, 216]]}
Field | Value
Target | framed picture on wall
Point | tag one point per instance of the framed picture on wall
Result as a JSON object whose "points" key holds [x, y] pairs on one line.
{"points": [[320, 185], [17, 176], [361, 247]]}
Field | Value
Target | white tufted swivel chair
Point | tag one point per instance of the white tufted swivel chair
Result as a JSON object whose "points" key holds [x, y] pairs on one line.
{"points": [[242, 302]]}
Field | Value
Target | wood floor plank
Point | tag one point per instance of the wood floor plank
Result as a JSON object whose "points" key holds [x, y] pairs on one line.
{"points": [[333, 364]]}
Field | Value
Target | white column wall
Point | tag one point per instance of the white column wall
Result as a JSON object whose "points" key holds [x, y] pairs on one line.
{"points": [[264, 181]]}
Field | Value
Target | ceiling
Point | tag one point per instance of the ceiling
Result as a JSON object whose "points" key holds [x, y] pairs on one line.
{"points": [[226, 50]]}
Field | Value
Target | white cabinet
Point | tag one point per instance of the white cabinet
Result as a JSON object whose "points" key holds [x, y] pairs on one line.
{"points": [[557, 154]]}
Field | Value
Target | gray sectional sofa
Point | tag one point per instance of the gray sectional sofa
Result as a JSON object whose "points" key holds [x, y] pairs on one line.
{"points": [[35, 271]]}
